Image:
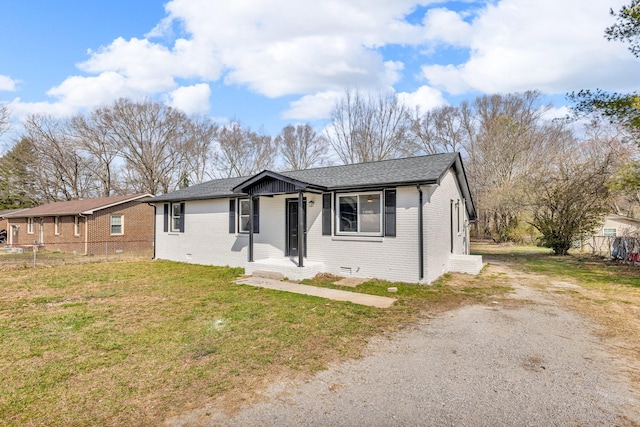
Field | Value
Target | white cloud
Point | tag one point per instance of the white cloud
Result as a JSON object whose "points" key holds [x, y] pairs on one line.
{"points": [[274, 49], [314, 50], [20, 110], [425, 98], [191, 99], [446, 26], [313, 107], [297, 47], [554, 46], [7, 84], [79, 92]]}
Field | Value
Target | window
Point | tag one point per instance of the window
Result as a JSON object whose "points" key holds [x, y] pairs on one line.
{"points": [[117, 226], [609, 232], [244, 215], [360, 214], [458, 214], [176, 216], [30, 225], [56, 225], [76, 225]]}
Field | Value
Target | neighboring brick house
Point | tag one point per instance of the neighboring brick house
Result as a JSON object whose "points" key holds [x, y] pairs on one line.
{"points": [[3, 223], [120, 224], [401, 220]]}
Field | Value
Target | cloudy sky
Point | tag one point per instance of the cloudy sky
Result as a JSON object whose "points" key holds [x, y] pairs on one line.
{"points": [[270, 63]]}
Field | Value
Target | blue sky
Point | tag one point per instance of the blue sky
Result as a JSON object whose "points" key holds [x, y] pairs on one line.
{"points": [[272, 63]]}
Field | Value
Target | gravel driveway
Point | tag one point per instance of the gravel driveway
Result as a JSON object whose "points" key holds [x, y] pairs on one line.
{"points": [[528, 362]]}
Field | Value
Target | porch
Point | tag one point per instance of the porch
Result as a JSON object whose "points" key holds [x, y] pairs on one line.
{"points": [[287, 266]]}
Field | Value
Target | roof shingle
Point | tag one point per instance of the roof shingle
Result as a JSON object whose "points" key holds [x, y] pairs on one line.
{"points": [[75, 207], [412, 170]]}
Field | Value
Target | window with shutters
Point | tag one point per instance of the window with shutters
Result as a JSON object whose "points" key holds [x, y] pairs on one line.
{"points": [[176, 217], [359, 214], [244, 213]]}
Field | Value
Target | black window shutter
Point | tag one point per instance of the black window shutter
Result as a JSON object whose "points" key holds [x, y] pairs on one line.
{"points": [[182, 217], [232, 216], [326, 214], [390, 212], [166, 217], [256, 215]]}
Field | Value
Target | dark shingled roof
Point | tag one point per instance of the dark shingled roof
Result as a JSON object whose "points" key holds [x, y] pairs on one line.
{"points": [[408, 171], [75, 207], [412, 170]]}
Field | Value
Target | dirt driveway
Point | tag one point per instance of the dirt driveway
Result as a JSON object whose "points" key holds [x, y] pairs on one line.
{"points": [[524, 360]]}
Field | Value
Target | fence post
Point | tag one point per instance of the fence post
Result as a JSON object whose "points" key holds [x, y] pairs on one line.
{"points": [[35, 248]]}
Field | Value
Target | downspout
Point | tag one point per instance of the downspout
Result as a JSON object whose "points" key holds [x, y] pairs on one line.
{"points": [[86, 234], [300, 229], [250, 251], [420, 235], [155, 219]]}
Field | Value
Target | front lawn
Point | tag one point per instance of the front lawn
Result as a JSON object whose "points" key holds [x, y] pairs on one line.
{"points": [[133, 343]]}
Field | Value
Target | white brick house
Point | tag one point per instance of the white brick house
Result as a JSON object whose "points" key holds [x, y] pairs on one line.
{"points": [[399, 220]]}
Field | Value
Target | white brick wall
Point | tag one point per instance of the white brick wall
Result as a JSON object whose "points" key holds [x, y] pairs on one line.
{"points": [[206, 239]]}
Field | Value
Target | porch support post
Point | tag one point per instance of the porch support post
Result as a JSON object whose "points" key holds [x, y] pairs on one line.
{"points": [[250, 251], [301, 230]]}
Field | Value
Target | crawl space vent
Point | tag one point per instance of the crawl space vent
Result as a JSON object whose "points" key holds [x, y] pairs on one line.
{"points": [[345, 270]]}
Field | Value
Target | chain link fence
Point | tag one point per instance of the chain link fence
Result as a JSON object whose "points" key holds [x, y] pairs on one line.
{"points": [[38, 254], [625, 248]]}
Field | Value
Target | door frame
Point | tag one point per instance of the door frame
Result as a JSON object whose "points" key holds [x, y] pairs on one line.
{"points": [[287, 238]]}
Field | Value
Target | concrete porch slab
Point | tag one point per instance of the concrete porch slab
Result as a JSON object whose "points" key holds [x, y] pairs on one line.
{"points": [[287, 267], [332, 294]]}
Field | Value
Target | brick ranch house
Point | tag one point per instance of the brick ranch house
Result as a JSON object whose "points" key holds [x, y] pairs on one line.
{"points": [[400, 220], [119, 224]]}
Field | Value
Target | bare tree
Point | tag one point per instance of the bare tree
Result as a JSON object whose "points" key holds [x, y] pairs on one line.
{"points": [[438, 131], [196, 162], [63, 173], [242, 152], [568, 196], [301, 147], [155, 142], [92, 136], [505, 138], [369, 128], [5, 118]]}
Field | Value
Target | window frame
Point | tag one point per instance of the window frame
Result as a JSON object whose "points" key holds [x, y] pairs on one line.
{"points": [[56, 225], [241, 215], [358, 196], [173, 227], [121, 225], [255, 213], [30, 225], [76, 225]]}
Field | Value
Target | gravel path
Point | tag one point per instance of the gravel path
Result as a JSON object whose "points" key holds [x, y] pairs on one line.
{"points": [[533, 363]]}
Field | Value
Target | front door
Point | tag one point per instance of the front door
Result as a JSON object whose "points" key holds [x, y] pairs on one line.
{"points": [[292, 227]]}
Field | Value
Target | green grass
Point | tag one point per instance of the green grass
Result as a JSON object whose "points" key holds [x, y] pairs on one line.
{"points": [[130, 343], [584, 268]]}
